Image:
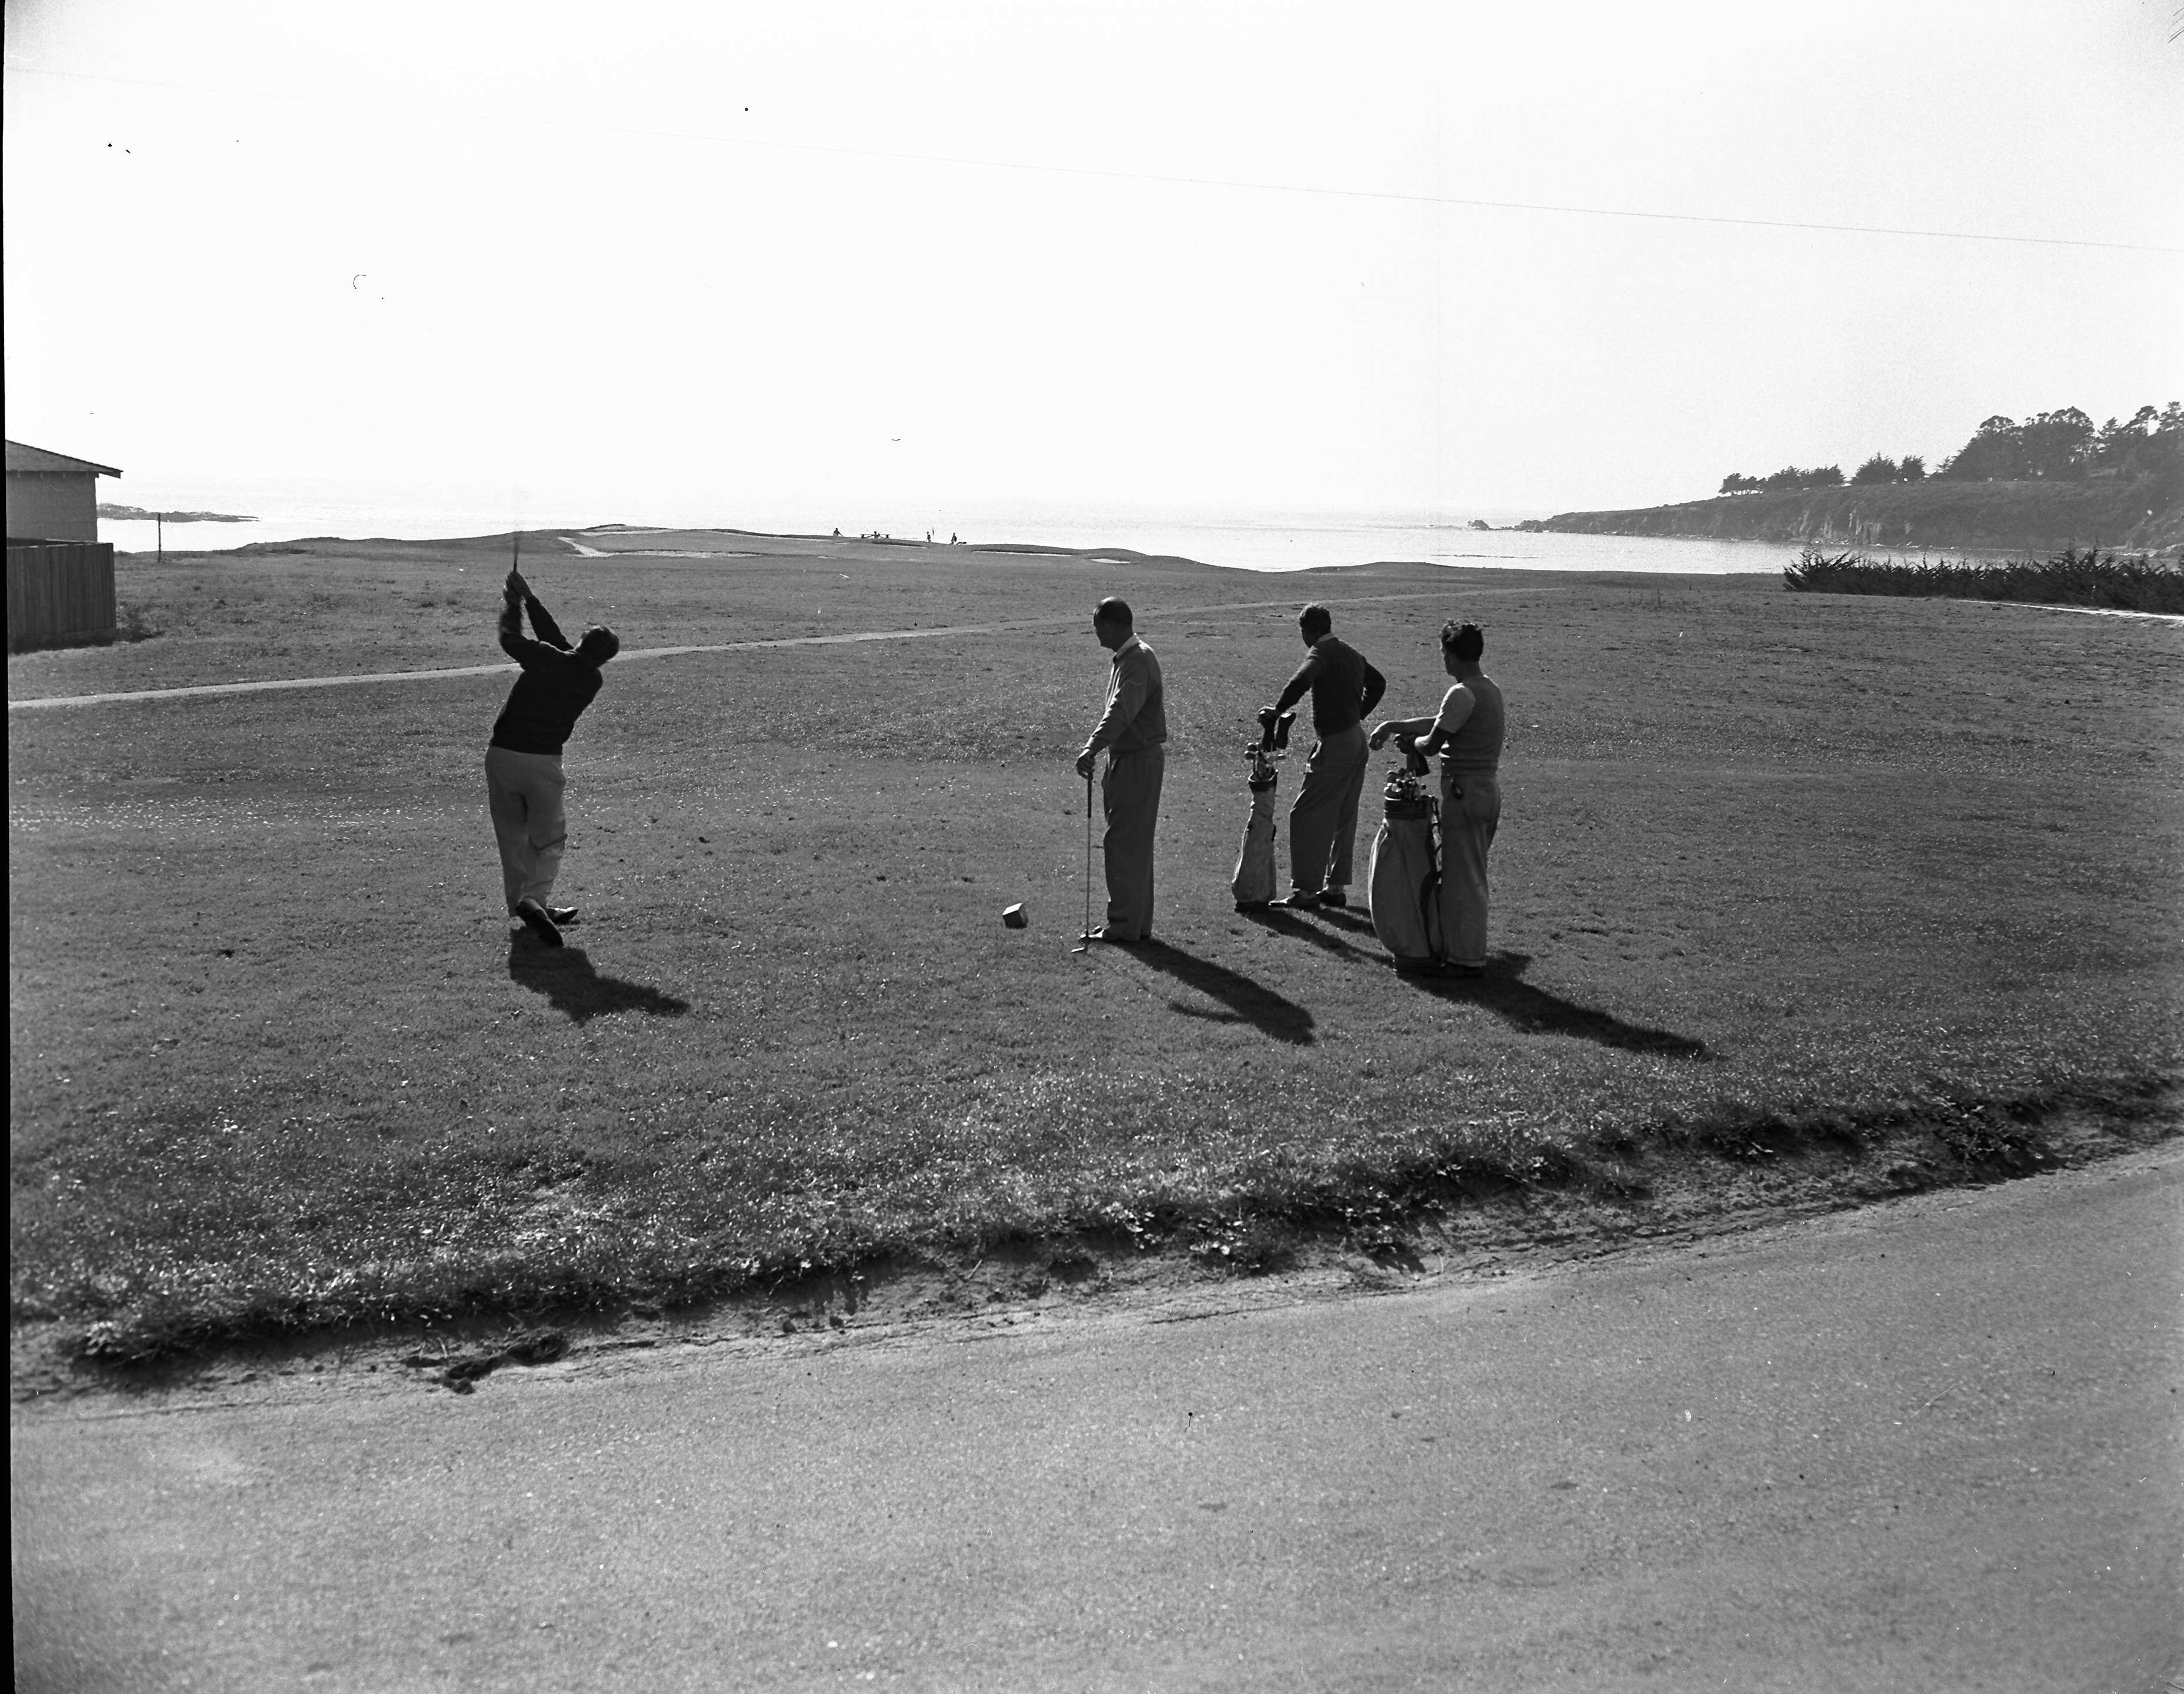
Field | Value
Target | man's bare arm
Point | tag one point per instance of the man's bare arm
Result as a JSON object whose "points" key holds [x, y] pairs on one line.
{"points": [[1455, 712], [1404, 730]]}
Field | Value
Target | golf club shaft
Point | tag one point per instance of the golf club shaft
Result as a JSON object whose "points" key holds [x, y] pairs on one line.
{"points": [[1083, 941]]}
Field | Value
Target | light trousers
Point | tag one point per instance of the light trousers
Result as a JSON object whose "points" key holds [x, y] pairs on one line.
{"points": [[1323, 817], [1129, 796], [524, 791], [1470, 808]]}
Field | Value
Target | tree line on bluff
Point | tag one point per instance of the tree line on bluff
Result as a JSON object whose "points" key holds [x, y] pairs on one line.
{"points": [[2059, 446]]}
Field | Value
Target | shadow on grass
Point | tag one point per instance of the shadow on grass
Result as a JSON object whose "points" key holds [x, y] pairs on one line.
{"points": [[1536, 1011], [1285, 923], [1247, 1002], [1518, 1005], [568, 979]]}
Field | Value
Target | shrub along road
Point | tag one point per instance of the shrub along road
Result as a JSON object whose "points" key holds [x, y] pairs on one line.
{"points": [[1929, 1444]]}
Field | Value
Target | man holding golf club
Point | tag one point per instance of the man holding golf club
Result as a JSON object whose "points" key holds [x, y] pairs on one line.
{"points": [[1466, 732], [1323, 820], [523, 765], [1132, 729]]}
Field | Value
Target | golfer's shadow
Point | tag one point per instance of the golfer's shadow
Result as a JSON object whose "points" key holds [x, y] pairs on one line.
{"points": [[1284, 922], [568, 979], [1243, 1000], [1535, 1011]]}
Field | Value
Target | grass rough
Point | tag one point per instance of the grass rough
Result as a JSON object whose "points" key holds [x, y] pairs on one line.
{"points": [[1780, 878]]}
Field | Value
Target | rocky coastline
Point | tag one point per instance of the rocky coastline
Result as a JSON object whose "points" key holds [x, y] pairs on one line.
{"points": [[1998, 516]]}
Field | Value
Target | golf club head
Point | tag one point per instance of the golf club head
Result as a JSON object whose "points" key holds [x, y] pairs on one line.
{"points": [[1274, 729]]}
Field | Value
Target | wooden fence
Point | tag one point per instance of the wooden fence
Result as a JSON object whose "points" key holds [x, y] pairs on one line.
{"points": [[59, 593]]}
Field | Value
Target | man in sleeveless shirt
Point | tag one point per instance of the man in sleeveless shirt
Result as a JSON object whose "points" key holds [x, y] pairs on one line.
{"points": [[1324, 822], [1133, 728], [523, 777], [1466, 732]]}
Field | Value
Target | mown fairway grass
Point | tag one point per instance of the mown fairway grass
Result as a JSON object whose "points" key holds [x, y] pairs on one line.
{"points": [[1777, 872]]}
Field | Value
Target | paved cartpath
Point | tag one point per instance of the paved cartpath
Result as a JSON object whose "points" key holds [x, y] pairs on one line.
{"points": [[1929, 1446], [628, 655]]}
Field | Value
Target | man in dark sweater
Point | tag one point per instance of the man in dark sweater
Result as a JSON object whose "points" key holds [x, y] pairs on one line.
{"points": [[523, 765], [1324, 821]]}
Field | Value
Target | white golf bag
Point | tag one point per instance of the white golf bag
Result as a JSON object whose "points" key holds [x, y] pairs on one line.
{"points": [[1253, 884], [1403, 886]]}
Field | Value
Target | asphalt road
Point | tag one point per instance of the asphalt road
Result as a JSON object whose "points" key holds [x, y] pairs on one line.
{"points": [[1931, 1446]]}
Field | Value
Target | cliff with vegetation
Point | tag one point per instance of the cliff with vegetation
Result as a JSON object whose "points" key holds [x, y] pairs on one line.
{"points": [[2055, 480], [1934, 514]]}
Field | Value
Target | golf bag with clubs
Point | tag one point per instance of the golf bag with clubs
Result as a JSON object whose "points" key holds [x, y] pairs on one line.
{"points": [[1404, 883], [1253, 884]]}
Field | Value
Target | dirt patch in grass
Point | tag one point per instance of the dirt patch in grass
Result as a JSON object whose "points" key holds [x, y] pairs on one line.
{"points": [[1786, 884]]}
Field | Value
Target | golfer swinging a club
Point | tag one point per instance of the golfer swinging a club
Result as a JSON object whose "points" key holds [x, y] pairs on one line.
{"points": [[1132, 728], [523, 778]]}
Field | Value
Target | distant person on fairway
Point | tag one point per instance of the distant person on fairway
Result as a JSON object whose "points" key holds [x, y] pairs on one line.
{"points": [[523, 766], [1467, 733], [1132, 729], [1323, 820]]}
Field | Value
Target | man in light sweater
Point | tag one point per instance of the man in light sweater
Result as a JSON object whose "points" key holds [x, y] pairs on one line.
{"points": [[1133, 729], [1324, 821], [1467, 733], [523, 765]]}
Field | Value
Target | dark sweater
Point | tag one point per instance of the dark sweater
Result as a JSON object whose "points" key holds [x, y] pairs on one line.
{"points": [[1344, 686], [554, 689]]}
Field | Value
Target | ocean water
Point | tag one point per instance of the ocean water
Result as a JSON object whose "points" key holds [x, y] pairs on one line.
{"points": [[1304, 541], [1249, 540]]}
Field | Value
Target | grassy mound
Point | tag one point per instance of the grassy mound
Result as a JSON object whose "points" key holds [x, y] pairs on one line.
{"points": [[1776, 872]]}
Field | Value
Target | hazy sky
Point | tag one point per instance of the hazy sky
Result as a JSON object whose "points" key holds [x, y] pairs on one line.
{"points": [[1168, 254]]}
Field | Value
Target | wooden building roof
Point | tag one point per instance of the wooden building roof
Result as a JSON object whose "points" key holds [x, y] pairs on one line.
{"points": [[37, 462]]}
